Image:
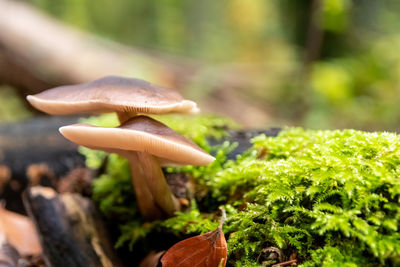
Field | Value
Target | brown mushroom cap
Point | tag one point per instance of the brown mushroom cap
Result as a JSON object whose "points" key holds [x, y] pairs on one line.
{"points": [[140, 133], [111, 94]]}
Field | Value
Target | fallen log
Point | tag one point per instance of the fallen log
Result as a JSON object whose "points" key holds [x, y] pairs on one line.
{"points": [[33, 152], [70, 229], [38, 52]]}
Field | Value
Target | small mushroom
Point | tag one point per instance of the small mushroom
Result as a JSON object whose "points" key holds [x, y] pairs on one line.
{"points": [[144, 140], [126, 96]]}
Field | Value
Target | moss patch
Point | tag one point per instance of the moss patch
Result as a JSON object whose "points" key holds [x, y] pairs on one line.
{"points": [[325, 197]]}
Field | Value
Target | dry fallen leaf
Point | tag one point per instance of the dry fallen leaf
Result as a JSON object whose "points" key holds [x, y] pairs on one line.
{"points": [[20, 232], [208, 250]]}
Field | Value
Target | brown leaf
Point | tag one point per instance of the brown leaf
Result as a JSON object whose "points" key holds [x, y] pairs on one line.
{"points": [[20, 232], [208, 250]]}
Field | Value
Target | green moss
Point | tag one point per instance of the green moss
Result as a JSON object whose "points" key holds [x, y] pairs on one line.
{"points": [[329, 197], [315, 191]]}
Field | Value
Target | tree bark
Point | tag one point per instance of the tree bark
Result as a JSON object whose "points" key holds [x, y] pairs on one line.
{"points": [[33, 152], [70, 229]]}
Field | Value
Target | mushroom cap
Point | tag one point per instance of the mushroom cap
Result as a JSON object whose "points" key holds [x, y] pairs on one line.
{"points": [[140, 133], [109, 94]]}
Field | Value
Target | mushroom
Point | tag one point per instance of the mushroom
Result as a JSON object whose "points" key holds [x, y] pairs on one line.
{"points": [[126, 96], [148, 141]]}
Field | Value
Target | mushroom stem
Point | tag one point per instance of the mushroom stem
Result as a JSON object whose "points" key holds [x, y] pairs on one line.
{"points": [[147, 206], [157, 184], [124, 116]]}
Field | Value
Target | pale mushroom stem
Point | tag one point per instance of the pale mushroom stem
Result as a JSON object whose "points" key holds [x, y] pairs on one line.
{"points": [[157, 184], [147, 206], [151, 188]]}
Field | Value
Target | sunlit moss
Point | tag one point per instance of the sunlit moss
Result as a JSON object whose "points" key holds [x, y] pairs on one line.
{"points": [[336, 192], [324, 197]]}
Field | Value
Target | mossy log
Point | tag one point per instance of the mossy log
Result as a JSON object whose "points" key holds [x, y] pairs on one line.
{"points": [[70, 229], [32, 152]]}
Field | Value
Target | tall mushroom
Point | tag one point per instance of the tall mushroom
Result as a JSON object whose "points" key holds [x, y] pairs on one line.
{"points": [[145, 140]]}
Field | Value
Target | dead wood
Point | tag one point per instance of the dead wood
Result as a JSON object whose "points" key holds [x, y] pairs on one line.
{"points": [[33, 152], [70, 229]]}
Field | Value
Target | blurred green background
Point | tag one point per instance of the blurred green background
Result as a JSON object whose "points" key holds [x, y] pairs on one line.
{"points": [[312, 63]]}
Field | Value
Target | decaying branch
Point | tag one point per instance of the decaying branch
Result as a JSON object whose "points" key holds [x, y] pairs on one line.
{"points": [[33, 152], [70, 229]]}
